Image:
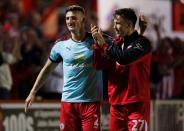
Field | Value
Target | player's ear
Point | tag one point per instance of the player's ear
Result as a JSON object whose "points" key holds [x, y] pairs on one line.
{"points": [[129, 23]]}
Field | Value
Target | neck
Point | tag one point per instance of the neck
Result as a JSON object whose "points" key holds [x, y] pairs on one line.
{"points": [[130, 32], [78, 35]]}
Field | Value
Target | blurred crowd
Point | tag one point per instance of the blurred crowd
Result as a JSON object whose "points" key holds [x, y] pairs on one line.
{"points": [[167, 70], [24, 48], [23, 51]]}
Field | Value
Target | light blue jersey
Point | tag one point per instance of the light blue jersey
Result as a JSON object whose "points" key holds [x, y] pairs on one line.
{"points": [[82, 83]]}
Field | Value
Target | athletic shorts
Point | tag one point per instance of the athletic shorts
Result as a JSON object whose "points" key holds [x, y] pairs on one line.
{"points": [[80, 116], [130, 117]]}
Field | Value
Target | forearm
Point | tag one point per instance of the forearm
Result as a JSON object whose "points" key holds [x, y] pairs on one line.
{"points": [[101, 60], [40, 80]]}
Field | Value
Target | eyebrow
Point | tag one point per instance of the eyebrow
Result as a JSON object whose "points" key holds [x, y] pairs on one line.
{"points": [[73, 16], [117, 20]]}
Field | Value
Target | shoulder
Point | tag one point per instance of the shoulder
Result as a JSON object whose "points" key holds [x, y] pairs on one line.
{"points": [[142, 43], [60, 42], [62, 39], [143, 40]]}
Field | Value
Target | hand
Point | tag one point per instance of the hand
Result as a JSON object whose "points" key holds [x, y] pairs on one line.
{"points": [[97, 35], [143, 23], [29, 100]]}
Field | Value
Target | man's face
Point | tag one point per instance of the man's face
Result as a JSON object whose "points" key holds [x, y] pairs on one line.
{"points": [[121, 25], [74, 20]]}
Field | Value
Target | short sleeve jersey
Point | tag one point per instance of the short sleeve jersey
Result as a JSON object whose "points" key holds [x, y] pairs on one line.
{"points": [[82, 82]]}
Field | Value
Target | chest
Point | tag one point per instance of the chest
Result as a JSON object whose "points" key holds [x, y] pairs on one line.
{"points": [[78, 52]]}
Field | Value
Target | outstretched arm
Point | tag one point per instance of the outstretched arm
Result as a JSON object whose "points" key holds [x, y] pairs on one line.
{"points": [[44, 73]]}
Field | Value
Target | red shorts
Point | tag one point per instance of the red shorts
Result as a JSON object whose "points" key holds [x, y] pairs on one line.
{"points": [[130, 117], [80, 116]]}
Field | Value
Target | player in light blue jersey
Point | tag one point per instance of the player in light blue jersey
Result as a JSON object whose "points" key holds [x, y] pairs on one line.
{"points": [[82, 88], [80, 76]]}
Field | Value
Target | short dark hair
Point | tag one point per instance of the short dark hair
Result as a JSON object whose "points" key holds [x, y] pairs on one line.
{"points": [[75, 8], [127, 13]]}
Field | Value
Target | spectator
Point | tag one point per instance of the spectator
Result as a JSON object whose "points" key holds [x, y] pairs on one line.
{"points": [[6, 58]]}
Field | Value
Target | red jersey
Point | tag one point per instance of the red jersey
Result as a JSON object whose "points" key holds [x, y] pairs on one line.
{"points": [[127, 63]]}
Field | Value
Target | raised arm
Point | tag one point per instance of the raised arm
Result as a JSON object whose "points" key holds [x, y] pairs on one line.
{"points": [[101, 59], [138, 49], [143, 23], [44, 73]]}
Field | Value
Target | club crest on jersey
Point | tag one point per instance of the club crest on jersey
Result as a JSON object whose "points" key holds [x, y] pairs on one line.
{"points": [[79, 57]]}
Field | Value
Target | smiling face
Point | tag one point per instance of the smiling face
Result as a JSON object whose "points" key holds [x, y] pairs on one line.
{"points": [[121, 25], [74, 21]]}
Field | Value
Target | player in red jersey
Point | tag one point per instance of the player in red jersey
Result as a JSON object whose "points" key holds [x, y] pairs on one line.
{"points": [[127, 63]]}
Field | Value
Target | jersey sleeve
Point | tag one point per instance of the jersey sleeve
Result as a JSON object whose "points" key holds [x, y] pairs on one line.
{"points": [[55, 55], [101, 59], [131, 54]]}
